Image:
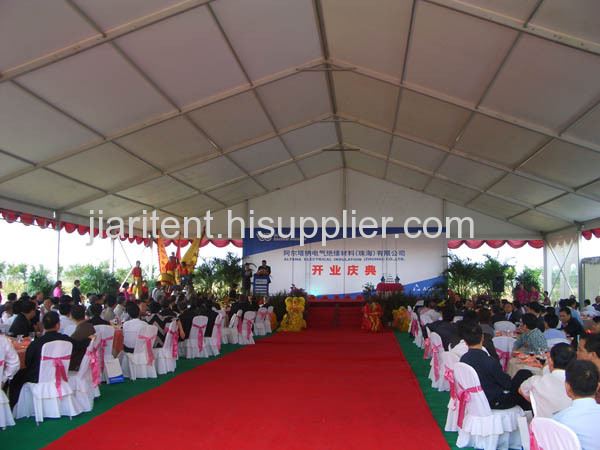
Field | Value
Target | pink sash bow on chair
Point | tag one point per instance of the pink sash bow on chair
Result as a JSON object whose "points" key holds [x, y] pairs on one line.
{"points": [[248, 328], [504, 357], [218, 325], [427, 353], [174, 341], [413, 327], [59, 370], [239, 325], [102, 345], [533, 444], [148, 348], [463, 398], [200, 335], [435, 353], [263, 315], [1, 363], [449, 377], [94, 365]]}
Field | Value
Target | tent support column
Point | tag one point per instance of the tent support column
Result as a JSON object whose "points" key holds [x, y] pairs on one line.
{"points": [[112, 260], [58, 249]]}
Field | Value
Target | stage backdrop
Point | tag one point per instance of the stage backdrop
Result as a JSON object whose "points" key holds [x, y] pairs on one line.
{"points": [[344, 266]]}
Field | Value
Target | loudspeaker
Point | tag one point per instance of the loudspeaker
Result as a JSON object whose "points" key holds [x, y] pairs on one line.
{"points": [[498, 284]]}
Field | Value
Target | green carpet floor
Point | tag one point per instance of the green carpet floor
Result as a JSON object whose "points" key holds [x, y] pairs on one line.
{"points": [[437, 401], [25, 435]]}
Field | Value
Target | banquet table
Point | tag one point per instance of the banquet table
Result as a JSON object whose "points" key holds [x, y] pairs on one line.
{"points": [[515, 364]]}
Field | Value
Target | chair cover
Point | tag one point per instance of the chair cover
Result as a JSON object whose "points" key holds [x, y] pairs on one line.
{"points": [[194, 346], [85, 381], [245, 330], [51, 396], [504, 346], [268, 327], [419, 342], [478, 425], [166, 356], [436, 374], [427, 344], [548, 434], [505, 325], [140, 363], [213, 343], [449, 360], [230, 334], [106, 335], [6, 417], [259, 323], [553, 342]]}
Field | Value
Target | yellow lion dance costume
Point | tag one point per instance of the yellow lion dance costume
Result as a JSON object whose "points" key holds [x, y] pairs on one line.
{"points": [[293, 320]]}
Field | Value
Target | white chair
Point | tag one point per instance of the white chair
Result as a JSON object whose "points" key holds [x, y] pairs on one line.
{"points": [[194, 345], [245, 331], [166, 356], [268, 320], [533, 403], [6, 417], [505, 325], [449, 360], [478, 425], [504, 346], [552, 435], [51, 396], [85, 381], [259, 322], [553, 342], [230, 333], [213, 343], [106, 336], [140, 363], [436, 374]]}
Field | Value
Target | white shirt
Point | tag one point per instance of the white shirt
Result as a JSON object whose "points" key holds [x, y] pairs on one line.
{"points": [[67, 325], [9, 355], [461, 348], [590, 311], [549, 392], [432, 314], [6, 319], [131, 329]]}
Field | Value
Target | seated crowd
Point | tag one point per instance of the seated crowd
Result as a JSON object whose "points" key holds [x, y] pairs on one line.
{"points": [[568, 390]]}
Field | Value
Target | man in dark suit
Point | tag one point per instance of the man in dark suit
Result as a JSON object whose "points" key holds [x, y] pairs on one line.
{"points": [[22, 324], [33, 355], [76, 293], [187, 317], [447, 330], [264, 267], [205, 309], [511, 313]]}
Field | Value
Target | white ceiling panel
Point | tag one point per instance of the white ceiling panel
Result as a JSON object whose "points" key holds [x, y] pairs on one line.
{"points": [[186, 56], [469, 171], [365, 98], [108, 14], [261, 155], [499, 141], [366, 137], [296, 99], [50, 26], [99, 88], [365, 163], [565, 163], [8, 164], [280, 177], [495, 206], [105, 166], [158, 191], [518, 9], [193, 207], [535, 220], [237, 192], [416, 154], [169, 143], [532, 86], [270, 35], [588, 127], [406, 177], [575, 206], [593, 188], [310, 138], [110, 206], [234, 120], [34, 130], [444, 45], [580, 19], [520, 188], [430, 119], [41, 187], [209, 173], [450, 191], [386, 22], [321, 163]]}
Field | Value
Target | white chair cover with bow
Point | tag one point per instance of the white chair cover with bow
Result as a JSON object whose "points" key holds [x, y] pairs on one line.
{"points": [[268, 320], [213, 343], [140, 363], [230, 334], [505, 325], [51, 396], [166, 356], [245, 328], [449, 360], [259, 322], [6, 417], [194, 346], [479, 426], [418, 332], [86, 380], [436, 374], [106, 336], [548, 434], [504, 346]]}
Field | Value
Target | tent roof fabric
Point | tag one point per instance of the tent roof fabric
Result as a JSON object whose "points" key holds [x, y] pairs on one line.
{"points": [[185, 106]]}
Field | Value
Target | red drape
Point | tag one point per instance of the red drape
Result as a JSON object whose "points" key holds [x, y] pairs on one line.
{"points": [[472, 243], [587, 234]]}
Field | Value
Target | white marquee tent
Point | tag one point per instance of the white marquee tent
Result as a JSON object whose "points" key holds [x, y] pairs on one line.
{"points": [[288, 107]]}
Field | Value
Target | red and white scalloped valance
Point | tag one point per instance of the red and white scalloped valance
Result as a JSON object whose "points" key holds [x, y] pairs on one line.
{"points": [[472, 243], [43, 222], [587, 234]]}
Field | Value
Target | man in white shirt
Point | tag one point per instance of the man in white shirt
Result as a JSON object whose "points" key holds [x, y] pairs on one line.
{"points": [[132, 327], [9, 355], [67, 325], [549, 390], [583, 416], [589, 310]]}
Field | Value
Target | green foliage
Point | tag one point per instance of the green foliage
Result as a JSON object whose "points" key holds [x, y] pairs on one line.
{"points": [[395, 301], [278, 302], [530, 277], [94, 279], [461, 275], [39, 280], [218, 274], [491, 268], [205, 277]]}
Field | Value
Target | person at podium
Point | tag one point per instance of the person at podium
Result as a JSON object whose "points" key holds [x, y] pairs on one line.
{"points": [[264, 269], [246, 279]]}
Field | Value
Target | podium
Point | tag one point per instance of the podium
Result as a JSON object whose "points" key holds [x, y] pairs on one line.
{"points": [[260, 285]]}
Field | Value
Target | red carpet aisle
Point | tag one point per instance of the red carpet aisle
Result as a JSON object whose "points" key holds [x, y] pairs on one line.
{"points": [[333, 389]]}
